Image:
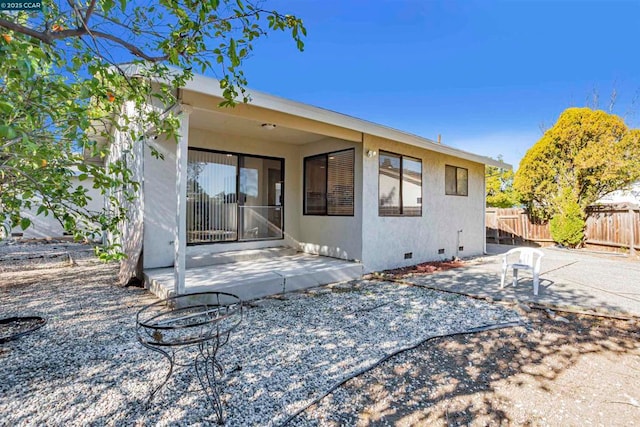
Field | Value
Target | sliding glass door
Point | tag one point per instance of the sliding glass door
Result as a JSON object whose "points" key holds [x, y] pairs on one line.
{"points": [[234, 197], [261, 198]]}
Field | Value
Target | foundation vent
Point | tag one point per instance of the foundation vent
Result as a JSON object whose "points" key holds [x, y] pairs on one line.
{"points": [[461, 248], [440, 251], [408, 255]]}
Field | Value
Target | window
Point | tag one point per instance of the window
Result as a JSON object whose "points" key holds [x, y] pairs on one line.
{"points": [[456, 181], [399, 185], [233, 197], [328, 183]]}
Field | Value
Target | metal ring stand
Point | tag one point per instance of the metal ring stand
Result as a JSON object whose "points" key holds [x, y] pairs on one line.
{"points": [[204, 320]]}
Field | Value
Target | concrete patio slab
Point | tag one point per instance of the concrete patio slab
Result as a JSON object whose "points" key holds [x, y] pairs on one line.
{"points": [[257, 277], [570, 279]]}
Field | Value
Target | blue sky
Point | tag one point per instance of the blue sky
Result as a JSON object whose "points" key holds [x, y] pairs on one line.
{"points": [[486, 75]]}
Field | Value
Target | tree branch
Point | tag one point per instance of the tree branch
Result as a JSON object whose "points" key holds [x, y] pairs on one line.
{"points": [[26, 31], [127, 27], [49, 38], [129, 46], [90, 9]]}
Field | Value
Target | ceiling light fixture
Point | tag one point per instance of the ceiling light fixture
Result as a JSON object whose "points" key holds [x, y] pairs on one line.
{"points": [[268, 126]]}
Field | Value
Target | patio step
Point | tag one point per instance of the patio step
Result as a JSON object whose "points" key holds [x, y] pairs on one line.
{"points": [[257, 278]]}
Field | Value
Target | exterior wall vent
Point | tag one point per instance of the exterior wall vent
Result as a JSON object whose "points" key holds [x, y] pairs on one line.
{"points": [[440, 251], [408, 255], [461, 248]]}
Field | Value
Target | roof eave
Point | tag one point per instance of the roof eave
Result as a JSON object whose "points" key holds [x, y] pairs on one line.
{"points": [[210, 86]]}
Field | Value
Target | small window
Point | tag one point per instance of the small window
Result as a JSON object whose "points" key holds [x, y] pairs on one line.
{"points": [[399, 185], [456, 181], [328, 184]]}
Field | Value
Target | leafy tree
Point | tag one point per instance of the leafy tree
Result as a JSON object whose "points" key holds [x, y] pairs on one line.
{"points": [[499, 187], [62, 91], [584, 156]]}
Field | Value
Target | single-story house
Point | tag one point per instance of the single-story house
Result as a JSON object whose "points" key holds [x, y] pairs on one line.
{"points": [[278, 173]]}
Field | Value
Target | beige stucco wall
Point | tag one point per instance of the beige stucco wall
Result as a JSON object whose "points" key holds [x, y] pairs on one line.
{"points": [[380, 242], [335, 236], [160, 201], [447, 222], [387, 239]]}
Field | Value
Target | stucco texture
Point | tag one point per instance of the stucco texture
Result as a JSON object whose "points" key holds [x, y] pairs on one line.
{"points": [[454, 224], [386, 239]]}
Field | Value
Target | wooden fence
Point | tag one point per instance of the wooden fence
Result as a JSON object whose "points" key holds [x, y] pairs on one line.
{"points": [[609, 227]]}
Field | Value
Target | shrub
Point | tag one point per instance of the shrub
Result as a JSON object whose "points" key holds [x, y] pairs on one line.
{"points": [[567, 225]]}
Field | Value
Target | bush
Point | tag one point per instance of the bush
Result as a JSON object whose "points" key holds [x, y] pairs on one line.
{"points": [[567, 225]]}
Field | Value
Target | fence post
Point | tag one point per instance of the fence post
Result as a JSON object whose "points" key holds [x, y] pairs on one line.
{"points": [[632, 243]]}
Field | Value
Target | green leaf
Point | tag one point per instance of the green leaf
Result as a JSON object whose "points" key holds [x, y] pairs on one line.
{"points": [[55, 104], [107, 5], [25, 223], [7, 132], [6, 107]]}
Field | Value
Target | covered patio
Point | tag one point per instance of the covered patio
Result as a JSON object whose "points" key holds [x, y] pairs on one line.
{"points": [[253, 274], [226, 210]]}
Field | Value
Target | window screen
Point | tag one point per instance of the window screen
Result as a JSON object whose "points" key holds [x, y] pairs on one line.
{"points": [[399, 185], [315, 188], [456, 181], [411, 186], [389, 184]]}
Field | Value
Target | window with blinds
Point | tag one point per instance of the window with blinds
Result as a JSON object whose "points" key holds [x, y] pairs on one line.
{"points": [[399, 185], [328, 183], [456, 181]]}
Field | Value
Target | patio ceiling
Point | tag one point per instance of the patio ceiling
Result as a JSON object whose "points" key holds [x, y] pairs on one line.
{"points": [[232, 125]]}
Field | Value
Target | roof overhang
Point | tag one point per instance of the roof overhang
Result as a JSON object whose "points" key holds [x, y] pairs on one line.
{"points": [[210, 86]]}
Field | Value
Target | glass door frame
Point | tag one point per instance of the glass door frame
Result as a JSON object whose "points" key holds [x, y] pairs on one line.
{"points": [[238, 198]]}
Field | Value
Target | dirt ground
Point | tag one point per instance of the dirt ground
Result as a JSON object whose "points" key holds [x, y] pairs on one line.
{"points": [[556, 370], [585, 372]]}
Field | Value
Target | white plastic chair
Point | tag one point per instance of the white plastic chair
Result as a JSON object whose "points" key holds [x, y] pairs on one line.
{"points": [[529, 259]]}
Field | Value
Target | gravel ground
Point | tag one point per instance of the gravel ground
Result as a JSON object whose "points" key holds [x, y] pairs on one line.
{"points": [[16, 255], [86, 366]]}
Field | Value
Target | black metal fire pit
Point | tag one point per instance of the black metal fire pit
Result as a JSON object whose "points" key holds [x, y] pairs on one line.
{"points": [[204, 320]]}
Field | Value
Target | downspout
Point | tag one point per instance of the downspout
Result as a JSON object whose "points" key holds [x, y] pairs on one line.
{"points": [[362, 202], [484, 211]]}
